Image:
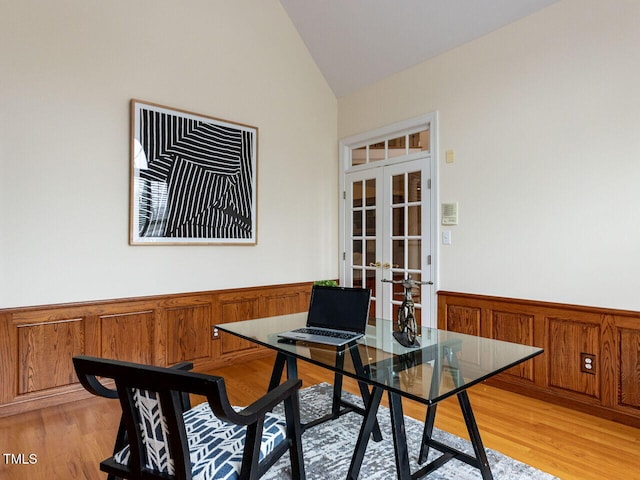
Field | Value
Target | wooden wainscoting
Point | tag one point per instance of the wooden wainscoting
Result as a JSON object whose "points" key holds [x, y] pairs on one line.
{"points": [[38, 343], [244, 305], [572, 337]]}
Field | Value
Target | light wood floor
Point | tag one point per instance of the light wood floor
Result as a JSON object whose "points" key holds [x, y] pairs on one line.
{"points": [[69, 441]]}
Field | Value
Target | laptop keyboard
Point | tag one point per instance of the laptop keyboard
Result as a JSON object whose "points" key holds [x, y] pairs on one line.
{"points": [[324, 333]]}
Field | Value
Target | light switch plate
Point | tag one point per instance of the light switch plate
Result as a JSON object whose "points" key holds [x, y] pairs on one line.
{"points": [[450, 156]]}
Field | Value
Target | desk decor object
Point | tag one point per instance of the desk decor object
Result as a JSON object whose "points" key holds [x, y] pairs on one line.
{"points": [[407, 329], [193, 178]]}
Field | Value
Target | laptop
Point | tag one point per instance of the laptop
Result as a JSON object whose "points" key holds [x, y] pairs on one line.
{"points": [[337, 316]]}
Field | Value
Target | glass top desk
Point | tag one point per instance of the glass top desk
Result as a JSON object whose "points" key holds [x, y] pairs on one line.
{"points": [[445, 364]]}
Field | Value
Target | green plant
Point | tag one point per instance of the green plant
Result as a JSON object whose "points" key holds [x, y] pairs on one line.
{"points": [[326, 283]]}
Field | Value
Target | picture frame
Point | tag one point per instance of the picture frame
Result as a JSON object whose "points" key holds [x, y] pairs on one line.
{"points": [[193, 178]]}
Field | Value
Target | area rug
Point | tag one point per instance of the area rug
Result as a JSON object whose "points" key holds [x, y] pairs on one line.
{"points": [[328, 447]]}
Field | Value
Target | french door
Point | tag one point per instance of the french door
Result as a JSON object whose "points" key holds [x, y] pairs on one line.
{"points": [[387, 234]]}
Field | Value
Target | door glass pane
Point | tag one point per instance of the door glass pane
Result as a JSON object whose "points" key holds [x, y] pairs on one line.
{"points": [[415, 220], [376, 152], [397, 252], [371, 282], [397, 184], [397, 146], [370, 255], [397, 228], [371, 222], [397, 276], [357, 277], [372, 311], [419, 141], [415, 187], [357, 194], [418, 290], [371, 192], [359, 156], [415, 249], [357, 252], [398, 290], [357, 223]]}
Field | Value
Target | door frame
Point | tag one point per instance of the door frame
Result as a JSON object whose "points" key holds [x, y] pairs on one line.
{"points": [[346, 144]]}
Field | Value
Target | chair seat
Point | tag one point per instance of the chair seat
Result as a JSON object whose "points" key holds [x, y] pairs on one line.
{"points": [[216, 447]]}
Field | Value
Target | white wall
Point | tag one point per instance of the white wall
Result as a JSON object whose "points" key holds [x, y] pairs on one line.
{"points": [[544, 119], [68, 71]]}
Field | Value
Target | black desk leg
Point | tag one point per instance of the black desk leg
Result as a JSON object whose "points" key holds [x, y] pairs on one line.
{"points": [[427, 432], [469, 418], [370, 420], [364, 389], [429, 421], [278, 368], [276, 373], [399, 436], [474, 435], [480, 460], [337, 383]]}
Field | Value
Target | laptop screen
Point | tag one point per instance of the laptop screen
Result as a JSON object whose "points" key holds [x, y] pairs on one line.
{"points": [[340, 308]]}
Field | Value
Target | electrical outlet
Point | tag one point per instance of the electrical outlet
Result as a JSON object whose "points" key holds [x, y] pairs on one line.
{"points": [[215, 333], [588, 363]]}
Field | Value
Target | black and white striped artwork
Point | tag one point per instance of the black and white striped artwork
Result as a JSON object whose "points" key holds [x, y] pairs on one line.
{"points": [[193, 180]]}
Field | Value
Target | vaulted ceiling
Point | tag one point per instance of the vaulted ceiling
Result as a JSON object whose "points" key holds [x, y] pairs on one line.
{"points": [[358, 42]]}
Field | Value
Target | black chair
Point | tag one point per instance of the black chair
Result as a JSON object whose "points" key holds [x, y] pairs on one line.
{"points": [[161, 437]]}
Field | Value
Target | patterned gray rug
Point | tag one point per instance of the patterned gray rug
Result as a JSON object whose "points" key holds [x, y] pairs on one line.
{"points": [[328, 448]]}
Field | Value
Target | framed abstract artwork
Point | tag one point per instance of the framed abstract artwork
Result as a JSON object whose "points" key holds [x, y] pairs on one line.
{"points": [[193, 178]]}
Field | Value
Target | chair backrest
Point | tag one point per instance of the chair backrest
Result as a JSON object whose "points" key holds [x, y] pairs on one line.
{"points": [[153, 401]]}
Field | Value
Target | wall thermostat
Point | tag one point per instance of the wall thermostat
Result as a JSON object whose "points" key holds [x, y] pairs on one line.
{"points": [[449, 213]]}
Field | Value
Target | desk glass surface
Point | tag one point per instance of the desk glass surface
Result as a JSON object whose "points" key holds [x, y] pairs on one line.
{"points": [[444, 364]]}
